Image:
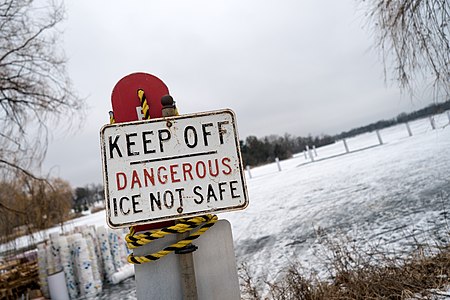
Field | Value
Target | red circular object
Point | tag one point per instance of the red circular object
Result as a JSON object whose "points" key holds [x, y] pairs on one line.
{"points": [[124, 96], [124, 101]]}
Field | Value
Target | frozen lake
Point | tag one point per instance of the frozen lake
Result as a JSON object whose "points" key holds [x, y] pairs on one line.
{"points": [[386, 194]]}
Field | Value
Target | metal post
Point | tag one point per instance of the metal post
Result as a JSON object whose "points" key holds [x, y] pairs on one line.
{"points": [[315, 151], [304, 153], [278, 164], [379, 137], [433, 124], [346, 146], [309, 153], [408, 128], [248, 171]]}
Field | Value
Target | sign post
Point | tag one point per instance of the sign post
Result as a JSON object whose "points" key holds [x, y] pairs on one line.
{"points": [[164, 169]]}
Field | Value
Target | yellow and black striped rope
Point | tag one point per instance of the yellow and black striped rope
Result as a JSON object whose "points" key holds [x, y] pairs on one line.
{"points": [[136, 240], [111, 118], [177, 246], [144, 104]]}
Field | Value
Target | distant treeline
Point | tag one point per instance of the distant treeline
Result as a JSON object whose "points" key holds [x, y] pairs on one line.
{"points": [[257, 151], [261, 151], [401, 118]]}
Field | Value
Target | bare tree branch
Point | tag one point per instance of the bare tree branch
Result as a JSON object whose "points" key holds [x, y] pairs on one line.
{"points": [[11, 209], [18, 168], [413, 36], [35, 90]]}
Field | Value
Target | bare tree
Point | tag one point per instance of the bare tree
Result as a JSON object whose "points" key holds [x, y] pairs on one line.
{"points": [[35, 91], [31, 204], [415, 35]]}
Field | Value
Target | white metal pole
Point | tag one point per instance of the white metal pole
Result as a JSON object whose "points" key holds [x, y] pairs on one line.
{"points": [[346, 146], [315, 151], [408, 128], [433, 124], [248, 171], [311, 156], [379, 137], [304, 153], [278, 164]]}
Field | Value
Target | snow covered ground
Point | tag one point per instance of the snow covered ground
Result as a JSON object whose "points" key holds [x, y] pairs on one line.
{"points": [[386, 194]]}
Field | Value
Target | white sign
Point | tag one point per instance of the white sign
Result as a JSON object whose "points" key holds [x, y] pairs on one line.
{"points": [[171, 168]]}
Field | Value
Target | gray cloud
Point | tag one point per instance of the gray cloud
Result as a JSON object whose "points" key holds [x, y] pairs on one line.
{"points": [[284, 66]]}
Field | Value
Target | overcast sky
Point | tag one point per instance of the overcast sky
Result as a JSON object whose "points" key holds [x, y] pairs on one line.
{"points": [[291, 66]]}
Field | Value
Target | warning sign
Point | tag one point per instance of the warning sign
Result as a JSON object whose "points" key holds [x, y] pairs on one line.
{"points": [[171, 168]]}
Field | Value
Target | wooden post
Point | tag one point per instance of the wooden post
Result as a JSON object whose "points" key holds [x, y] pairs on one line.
{"points": [[188, 282], [187, 269]]}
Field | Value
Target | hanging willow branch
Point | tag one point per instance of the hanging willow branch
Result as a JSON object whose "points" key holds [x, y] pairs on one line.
{"points": [[413, 36]]}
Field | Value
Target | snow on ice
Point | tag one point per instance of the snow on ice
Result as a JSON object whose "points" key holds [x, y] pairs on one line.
{"points": [[385, 194]]}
